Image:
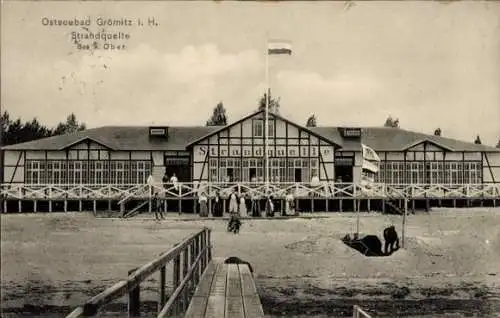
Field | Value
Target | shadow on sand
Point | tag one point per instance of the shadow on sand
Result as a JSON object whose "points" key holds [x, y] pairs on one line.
{"points": [[368, 245]]}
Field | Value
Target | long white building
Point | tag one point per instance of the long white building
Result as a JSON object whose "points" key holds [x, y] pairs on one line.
{"points": [[127, 155]]}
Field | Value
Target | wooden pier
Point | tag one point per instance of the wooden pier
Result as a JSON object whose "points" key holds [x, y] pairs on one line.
{"points": [[183, 197]]}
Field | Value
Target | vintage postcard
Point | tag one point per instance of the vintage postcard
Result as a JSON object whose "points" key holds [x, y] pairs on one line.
{"points": [[250, 159]]}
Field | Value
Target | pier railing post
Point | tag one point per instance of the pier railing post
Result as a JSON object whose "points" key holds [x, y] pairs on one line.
{"points": [[134, 299], [176, 281], [209, 235], [161, 298], [185, 263]]}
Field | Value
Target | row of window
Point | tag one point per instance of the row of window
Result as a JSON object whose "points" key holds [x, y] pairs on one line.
{"points": [[280, 169], [431, 172], [87, 172]]}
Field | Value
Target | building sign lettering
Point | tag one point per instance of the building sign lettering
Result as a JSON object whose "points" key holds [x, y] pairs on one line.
{"points": [[258, 151]]}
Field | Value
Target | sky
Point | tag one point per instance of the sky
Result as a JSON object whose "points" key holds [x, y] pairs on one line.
{"points": [[429, 64]]}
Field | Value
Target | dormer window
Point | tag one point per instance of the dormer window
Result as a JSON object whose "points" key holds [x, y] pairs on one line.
{"points": [[158, 132]]}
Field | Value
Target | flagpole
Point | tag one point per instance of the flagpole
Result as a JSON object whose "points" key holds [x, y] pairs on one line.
{"points": [[266, 126]]}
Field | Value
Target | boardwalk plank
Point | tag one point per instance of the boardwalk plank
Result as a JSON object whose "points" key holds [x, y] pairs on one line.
{"points": [[251, 301], [219, 285], [234, 300], [198, 303], [215, 306]]}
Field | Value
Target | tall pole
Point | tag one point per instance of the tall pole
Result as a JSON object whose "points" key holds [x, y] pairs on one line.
{"points": [[403, 230], [266, 126]]}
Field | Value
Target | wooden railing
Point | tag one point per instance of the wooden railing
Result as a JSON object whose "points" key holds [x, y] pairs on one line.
{"points": [[359, 313], [194, 254], [124, 192]]}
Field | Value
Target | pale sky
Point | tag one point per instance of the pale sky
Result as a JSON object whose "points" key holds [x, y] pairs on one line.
{"points": [[429, 64]]}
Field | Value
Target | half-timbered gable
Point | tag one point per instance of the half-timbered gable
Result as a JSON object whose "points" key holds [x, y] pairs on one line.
{"points": [[237, 152]]}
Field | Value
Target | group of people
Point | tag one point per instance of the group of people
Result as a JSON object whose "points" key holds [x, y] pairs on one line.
{"points": [[159, 206], [241, 204], [244, 204]]}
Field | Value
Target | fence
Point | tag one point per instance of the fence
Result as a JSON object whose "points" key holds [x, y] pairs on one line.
{"points": [[123, 192], [194, 253]]}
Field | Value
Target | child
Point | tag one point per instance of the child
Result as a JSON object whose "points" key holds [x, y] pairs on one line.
{"points": [[234, 224]]}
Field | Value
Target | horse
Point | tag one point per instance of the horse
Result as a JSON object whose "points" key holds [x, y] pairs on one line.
{"points": [[391, 238], [237, 260]]}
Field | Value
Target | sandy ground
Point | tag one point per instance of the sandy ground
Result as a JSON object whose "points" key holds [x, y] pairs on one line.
{"points": [[450, 264]]}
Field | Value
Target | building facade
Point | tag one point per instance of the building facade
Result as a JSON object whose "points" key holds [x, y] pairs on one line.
{"points": [[128, 155]]}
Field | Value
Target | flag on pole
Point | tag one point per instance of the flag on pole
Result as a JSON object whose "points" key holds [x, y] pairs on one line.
{"points": [[279, 47]]}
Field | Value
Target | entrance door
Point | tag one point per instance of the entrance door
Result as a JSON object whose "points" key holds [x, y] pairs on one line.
{"points": [[180, 166], [298, 175], [343, 172], [182, 172], [230, 174], [253, 173]]}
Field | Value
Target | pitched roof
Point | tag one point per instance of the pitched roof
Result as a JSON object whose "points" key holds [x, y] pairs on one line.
{"points": [[120, 138], [129, 138], [397, 139], [328, 137]]}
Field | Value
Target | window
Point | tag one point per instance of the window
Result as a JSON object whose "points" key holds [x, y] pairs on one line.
{"points": [[270, 130], [213, 169], [258, 128], [33, 172]]}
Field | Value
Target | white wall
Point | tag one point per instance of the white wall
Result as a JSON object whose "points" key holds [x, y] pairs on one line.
{"points": [[141, 155], [119, 155], [494, 162], [13, 174]]}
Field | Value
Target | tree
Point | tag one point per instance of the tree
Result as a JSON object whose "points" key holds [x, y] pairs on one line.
{"points": [[437, 132], [390, 122], [498, 143], [15, 131], [274, 103], [219, 117], [70, 126], [478, 140], [311, 121]]}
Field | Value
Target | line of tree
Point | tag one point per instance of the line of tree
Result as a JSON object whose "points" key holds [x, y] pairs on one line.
{"points": [[15, 131]]}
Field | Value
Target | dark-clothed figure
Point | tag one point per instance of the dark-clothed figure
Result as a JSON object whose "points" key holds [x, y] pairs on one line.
{"points": [[269, 207], [234, 224], [217, 205], [255, 201], [165, 180], [156, 202], [391, 240]]}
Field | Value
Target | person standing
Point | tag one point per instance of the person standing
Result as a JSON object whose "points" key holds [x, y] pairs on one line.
{"points": [[151, 183], [165, 180], [175, 182], [255, 205], [269, 207], [157, 208], [203, 205], [289, 203], [233, 203], [217, 211], [243, 206]]}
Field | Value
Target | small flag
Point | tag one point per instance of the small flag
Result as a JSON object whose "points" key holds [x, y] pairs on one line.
{"points": [[279, 47]]}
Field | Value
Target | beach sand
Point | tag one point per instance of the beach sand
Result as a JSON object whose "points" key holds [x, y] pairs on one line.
{"points": [[450, 264]]}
